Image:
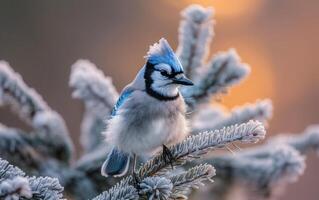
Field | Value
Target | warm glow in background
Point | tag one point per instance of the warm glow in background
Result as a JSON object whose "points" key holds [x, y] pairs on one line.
{"points": [[277, 38]]}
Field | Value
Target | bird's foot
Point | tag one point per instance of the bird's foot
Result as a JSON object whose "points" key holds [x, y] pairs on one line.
{"points": [[136, 180], [168, 156]]}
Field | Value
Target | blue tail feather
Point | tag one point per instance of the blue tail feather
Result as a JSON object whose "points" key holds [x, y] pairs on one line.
{"points": [[116, 163]]}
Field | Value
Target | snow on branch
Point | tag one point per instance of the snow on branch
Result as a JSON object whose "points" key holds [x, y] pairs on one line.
{"points": [[308, 140], [283, 164], [46, 188], [261, 111], [121, 190], [192, 178], [205, 116], [52, 133], [99, 95], [191, 148], [15, 188], [8, 171], [127, 192], [93, 87], [15, 184], [17, 147], [14, 92], [263, 167], [224, 70], [155, 188], [195, 33], [48, 124], [196, 145], [160, 187]]}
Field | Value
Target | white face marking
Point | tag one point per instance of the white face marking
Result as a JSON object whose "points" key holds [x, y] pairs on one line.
{"points": [[163, 67], [161, 83], [179, 76]]}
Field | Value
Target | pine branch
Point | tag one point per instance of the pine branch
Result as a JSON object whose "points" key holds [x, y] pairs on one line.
{"points": [[195, 34], [191, 148], [77, 184], [8, 171], [52, 135], [224, 70], [18, 147], [122, 190], [197, 145], [308, 140], [283, 164], [15, 188], [99, 96], [261, 111], [14, 92], [48, 124], [43, 188], [262, 168], [193, 178], [127, 193], [155, 188], [46, 188], [205, 115]]}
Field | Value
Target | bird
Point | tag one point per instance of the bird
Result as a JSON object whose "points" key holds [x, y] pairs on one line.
{"points": [[150, 112]]}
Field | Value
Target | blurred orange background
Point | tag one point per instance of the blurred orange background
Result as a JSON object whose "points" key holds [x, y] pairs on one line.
{"points": [[278, 38]]}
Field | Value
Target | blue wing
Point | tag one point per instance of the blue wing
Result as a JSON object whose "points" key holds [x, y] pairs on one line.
{"points": [[124, 96]]}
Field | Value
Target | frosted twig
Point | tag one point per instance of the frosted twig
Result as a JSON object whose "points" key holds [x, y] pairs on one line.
{"points": [[196, 145], [205, 116], [46, 188], [48, 124], [99, 95], [262, 167], [14, 92], [195, 33], [51, 132], [17, 147], [192, 178], [308, 140], [224, 70], [261, 111], [153, 188], [15, 188], [283, 164], [41, 187], [8, 171], [122, 190]]}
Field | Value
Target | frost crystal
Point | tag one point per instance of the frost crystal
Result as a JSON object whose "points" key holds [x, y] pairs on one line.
{"points": [[156, 188]]}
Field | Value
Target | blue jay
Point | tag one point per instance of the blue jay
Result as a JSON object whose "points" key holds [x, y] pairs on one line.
{"points": [[150, 112]]}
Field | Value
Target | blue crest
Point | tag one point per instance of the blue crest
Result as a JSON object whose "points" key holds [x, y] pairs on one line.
{"points": [[161, 52]]}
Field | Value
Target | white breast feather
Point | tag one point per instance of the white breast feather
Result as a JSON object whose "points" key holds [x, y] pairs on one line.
{"points": [[153, 132]]}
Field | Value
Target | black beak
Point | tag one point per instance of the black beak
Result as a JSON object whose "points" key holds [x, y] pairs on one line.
{"points": [[182, 81]]}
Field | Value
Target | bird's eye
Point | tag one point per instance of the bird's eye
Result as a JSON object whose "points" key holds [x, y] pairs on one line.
{"points": [[164, 73]]}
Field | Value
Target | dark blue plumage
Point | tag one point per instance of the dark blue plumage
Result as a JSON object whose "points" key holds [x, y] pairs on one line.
{"points": [[116, 164], [125, 94], [117, 161]]}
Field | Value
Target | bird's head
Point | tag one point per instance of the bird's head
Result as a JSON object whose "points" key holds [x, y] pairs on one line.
{"points": [[163, 72]]}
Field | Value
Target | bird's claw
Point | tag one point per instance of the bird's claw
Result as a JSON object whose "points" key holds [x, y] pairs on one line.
{"points": [[168, 156], [136, 180]]}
